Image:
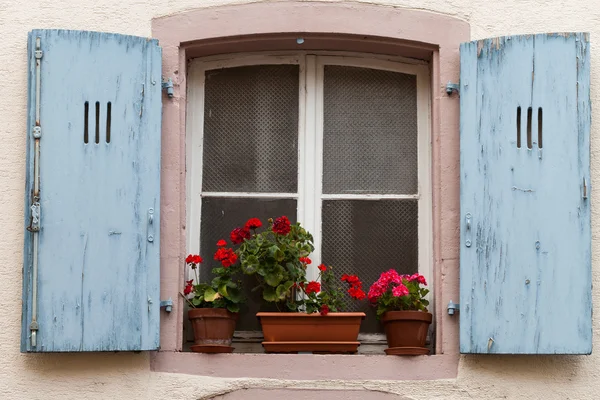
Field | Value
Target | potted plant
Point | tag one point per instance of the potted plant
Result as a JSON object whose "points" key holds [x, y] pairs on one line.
{"points": [[309, 317], [214, 306], [402, 307]]}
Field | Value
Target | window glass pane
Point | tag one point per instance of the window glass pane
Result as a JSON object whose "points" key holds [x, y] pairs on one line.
{"points": [[370, 131], [219, 217], [366, 238], [251, 129]]}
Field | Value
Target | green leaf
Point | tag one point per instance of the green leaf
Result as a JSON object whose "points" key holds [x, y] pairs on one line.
{"points": [[250, 264], [276, 253], [269, 294], [196, 301], [283, 289], [210, 295], [234, 295], [274, 278], [233, 307], [223, 290], [260, 240]]}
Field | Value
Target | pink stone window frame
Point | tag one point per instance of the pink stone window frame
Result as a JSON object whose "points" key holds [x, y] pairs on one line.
{"points": [[335, 26]]}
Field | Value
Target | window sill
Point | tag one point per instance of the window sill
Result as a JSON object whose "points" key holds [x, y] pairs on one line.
{"points": [[307, 366]]}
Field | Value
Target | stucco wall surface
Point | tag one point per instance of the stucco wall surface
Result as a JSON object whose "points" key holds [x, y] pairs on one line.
{"points": [[124, 376]]}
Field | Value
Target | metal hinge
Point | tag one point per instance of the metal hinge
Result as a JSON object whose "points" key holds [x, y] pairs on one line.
{"points": [[453, 308], [168, 86], [35, 217], [452, 87], [167, 304]]}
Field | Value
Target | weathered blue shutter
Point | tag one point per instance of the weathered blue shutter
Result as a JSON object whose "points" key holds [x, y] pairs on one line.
{"points": [[525, 267], [96, 283]]}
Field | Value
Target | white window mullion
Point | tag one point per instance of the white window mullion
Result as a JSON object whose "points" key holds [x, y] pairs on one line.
{"points": [[311, 157], [302, 149], [194, 141], [425, 221], [318, 151]]}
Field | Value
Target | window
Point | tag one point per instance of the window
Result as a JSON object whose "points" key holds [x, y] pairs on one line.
{"points": [[339, 143]]}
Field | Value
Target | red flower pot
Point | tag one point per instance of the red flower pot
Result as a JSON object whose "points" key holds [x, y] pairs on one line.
{"points": [[213, 329], [406, 332], [292, 332]]}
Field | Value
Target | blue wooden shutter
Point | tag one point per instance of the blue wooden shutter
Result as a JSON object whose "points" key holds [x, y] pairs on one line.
{"points": [[97, 281], [525, 267]]}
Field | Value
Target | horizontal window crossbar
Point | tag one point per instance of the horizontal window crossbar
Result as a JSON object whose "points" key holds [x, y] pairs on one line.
{"points": [[349, 196], [250, 195]]}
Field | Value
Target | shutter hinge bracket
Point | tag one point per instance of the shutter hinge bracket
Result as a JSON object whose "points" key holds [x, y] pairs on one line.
{"points": [[39, 54], [452, 87], [453, 308], [35, 217], [168, 86], [167, 304]]}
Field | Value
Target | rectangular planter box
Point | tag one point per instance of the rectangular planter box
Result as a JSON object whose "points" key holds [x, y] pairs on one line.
{"points": [[300, 332]]}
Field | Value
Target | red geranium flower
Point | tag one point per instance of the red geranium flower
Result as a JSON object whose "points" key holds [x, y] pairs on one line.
{"points": [[356, 293], [281, 225], [324, 309], [238, 235], [313, 287], [322, 268], [351, 279], [189, 259], [305, 260], [188, 287], [197, 259], [226, 256], [253, 223], [221, 243]]}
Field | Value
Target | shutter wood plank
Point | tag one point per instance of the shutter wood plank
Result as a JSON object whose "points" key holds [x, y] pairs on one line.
{"points": [[98, 275], [526, 277]]}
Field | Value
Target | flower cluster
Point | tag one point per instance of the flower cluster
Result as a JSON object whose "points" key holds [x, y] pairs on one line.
{"points": [[329, 296], [189, 287], [222, 292], [305, 260], [253, 223], [281, 225], [226, 256], [238, 235], [355, 291], [193, 260], [395, 292], [278, 256], [312, 287]]}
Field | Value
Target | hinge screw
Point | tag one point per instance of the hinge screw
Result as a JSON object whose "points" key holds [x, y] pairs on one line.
{"points": [[453, 308], [452, 87], [168, 85]]}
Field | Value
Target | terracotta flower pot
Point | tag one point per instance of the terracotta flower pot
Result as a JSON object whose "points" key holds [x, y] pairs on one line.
{"points": [[292, 332], [406, 332], [213, 329]]}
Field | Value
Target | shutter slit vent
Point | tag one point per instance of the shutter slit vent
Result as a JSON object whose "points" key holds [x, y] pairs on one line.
{"points": [[529, 115], [97, 122], [519, 127], [108, 107], [540, 127], [86, 112]]}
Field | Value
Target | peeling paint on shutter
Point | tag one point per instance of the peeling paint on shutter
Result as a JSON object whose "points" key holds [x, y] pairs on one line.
{"points": [[100, 117], [525, 268]]}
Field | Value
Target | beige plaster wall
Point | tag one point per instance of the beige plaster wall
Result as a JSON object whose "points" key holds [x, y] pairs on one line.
{"points": [[125, 376]]}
